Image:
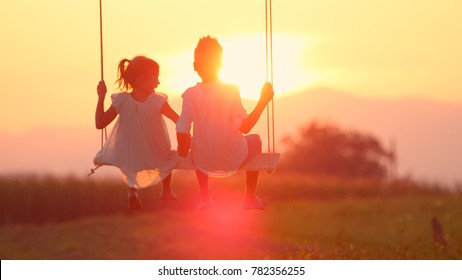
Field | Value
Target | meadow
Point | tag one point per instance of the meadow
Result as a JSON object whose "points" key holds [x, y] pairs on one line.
{"points": [[46, 217]]}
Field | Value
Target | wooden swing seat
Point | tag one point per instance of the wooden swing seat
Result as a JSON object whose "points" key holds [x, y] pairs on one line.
{"points": [[259, 162]]}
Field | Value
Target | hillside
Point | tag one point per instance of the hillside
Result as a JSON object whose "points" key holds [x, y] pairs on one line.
{"points": [[427, 133]]}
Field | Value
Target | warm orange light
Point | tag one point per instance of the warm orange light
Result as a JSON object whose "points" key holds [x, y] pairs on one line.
{"points": [[244, 63]]}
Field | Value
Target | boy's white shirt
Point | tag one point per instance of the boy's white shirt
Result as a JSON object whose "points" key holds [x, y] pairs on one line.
{"points": [[214, 110]]}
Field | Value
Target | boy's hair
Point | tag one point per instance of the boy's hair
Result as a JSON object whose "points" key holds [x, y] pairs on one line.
{"points": [[208, 51], [129, 70]]}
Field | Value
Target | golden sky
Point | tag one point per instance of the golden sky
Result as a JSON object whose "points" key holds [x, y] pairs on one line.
{"points": [[376, 49]]}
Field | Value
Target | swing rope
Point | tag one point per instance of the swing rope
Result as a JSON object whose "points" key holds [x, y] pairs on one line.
{"points": [[269, 73], [103, 130], [101, 37], [101, 55]]}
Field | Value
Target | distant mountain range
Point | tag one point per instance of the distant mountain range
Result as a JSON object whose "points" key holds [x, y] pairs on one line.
{"points": [[428, 134]]}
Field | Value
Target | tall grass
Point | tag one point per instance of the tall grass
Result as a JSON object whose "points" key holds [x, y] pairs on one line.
{"points": [[308, 218], [39, 199]]}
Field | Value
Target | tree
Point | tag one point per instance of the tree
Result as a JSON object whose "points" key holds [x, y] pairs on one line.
{"points": [[325, 149]]}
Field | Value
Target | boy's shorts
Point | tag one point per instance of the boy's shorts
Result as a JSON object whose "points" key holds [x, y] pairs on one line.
{"points": [[253, 145]]}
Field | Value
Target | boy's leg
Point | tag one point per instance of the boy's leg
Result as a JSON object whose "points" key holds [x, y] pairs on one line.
{"points": [[206, 200], [251, 180], [251, 200], [167, 193]]}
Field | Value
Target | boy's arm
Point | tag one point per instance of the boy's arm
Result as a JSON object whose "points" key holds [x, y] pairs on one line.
{"points": [[184, 143], [252, 118], [102, 118], [169, 112], [266, 95]]}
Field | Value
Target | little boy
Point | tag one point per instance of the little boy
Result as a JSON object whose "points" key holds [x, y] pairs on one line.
{"points": [[219, 147]]}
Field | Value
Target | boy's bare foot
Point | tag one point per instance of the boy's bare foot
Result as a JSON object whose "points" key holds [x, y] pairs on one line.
{"points": [[134, 201], [254, 203], [167, 196], [205, 204]]}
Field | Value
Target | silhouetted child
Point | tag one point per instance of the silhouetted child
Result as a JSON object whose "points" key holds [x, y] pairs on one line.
{"points": [[139, 144], [218, 145]]}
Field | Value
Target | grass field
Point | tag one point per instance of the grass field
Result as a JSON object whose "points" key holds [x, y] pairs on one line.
{"points": [[71, 218]]}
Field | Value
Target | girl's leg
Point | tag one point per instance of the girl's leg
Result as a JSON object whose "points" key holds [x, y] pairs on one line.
{"points": [[251, 200], [206, 200], [167, 193], [134, 201]]}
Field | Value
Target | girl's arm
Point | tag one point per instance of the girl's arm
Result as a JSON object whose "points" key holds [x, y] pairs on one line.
{"points": [[169, 112], [184, 143], [183, 126], [266, 95], [102, 118]]}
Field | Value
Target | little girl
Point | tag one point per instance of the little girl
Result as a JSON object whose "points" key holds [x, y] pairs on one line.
{"points": [[139, 144]]}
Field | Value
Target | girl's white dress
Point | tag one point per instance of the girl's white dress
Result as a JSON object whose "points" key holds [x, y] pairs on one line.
{"points": [[139, 144]]}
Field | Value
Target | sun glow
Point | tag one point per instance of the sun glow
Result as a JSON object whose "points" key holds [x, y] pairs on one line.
{"points": [[244, 64]]}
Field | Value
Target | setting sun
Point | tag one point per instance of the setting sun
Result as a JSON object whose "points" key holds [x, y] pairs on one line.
{"points": [[244, 63]]}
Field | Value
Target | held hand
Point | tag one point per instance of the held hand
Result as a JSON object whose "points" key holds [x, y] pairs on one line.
{"points": [[182, 152], [101, 89], [184, 143], [267, 93]]}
